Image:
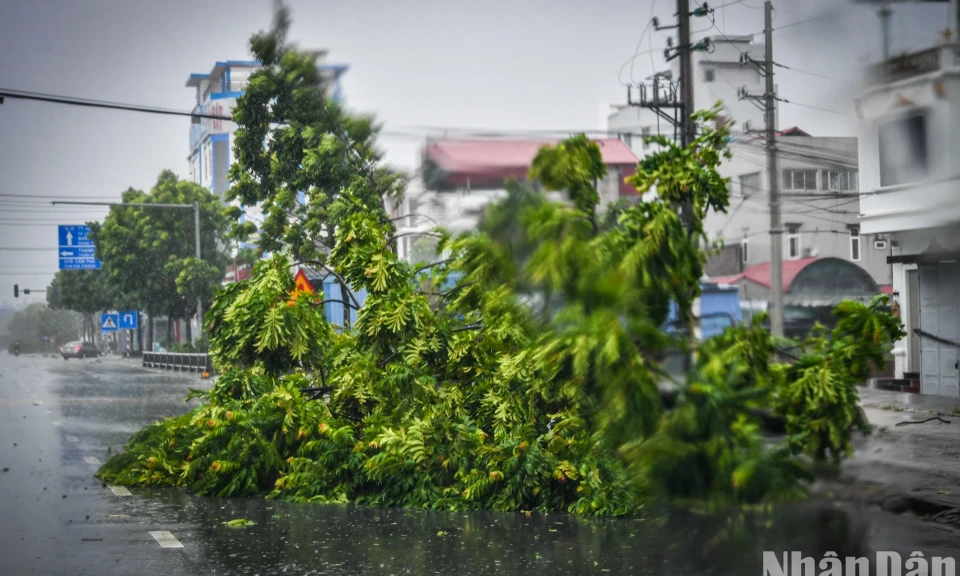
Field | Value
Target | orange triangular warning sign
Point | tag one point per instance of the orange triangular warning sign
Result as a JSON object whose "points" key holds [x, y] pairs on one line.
{"points": [[301, 286]]}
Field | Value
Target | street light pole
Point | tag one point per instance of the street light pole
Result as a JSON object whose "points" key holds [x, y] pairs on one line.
{"points": [[196, 228]]}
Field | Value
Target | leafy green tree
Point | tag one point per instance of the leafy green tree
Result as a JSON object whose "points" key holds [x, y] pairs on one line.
{"points": [[149, 256], [298, 152], [84, 291]]}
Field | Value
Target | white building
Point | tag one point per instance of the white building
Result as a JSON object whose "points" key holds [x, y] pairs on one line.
{"points": [[910, 184]]}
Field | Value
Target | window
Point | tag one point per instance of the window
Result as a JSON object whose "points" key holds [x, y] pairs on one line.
{"points": [[709, 75], [645, 132], [855, 244], [745, 250], [903, 150], [793, 241], [799, 179], [749, 184], [840, 180], [880, 244]]}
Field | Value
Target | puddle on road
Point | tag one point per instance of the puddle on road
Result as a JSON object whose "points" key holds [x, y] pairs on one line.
{"points": [[347, 539]]}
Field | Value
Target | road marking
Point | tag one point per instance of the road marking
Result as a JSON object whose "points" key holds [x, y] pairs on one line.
{"points": [[91, 460], [120, 491], [72, 439], [165, 539], [57, 423]]}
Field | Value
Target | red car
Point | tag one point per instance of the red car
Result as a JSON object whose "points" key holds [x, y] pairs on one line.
{"points": [[79, 350]]}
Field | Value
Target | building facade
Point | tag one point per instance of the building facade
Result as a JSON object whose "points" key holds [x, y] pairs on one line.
{"points": [[909, 122], [819, 199]]}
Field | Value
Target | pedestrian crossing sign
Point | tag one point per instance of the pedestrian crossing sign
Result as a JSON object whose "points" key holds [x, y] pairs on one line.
{"points": [[301, 286], [109, 322]]}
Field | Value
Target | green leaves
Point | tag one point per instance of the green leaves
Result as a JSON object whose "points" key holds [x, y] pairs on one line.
{"points": [[522, 371], [148, 254]]}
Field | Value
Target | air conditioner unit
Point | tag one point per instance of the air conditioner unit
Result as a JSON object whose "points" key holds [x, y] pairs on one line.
{"points": [[880, 244]]}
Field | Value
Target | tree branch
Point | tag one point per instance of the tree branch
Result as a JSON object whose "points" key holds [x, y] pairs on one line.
{"points": [[434, 234], [422, 268], [467, 327], [347, 304]]}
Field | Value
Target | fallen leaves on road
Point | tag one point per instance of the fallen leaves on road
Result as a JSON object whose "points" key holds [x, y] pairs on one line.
{"points": [[239, 523]]}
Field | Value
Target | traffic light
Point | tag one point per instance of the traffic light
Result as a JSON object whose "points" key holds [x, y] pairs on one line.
{"points": [[16, 290]]}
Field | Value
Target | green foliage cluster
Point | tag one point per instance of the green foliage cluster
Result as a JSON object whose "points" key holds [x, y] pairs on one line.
{"points": [[463, 398], [149, 254], [451, 390]]}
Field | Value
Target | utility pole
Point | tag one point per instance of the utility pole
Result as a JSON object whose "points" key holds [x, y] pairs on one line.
{"points": [[884, 13], [686, 84], [776, 231], [686, 129]]}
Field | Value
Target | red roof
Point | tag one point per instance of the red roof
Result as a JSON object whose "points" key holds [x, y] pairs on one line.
{"points": [[760, 273], [496, 155], [795, 131]]}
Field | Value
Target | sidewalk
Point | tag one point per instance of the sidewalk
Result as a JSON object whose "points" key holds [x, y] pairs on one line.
{"points": [[909, 467]]}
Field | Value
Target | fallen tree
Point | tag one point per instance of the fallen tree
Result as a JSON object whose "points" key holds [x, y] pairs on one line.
{"points": [[452, 392]]}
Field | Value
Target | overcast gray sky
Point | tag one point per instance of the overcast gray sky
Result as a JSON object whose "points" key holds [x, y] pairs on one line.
{"points": [[488, 64]]}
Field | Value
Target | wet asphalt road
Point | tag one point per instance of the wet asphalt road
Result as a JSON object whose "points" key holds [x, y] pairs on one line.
{"points": [[56, 417]]}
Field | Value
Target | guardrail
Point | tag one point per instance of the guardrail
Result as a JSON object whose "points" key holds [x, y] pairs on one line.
{"points": [[178, 361]]}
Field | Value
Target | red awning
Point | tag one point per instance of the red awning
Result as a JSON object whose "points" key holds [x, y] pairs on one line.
{"points": [[760, 273]]}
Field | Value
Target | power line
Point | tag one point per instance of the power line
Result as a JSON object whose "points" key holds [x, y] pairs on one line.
{"points": [[72, 101], [464, 132], [799, 71], [791, 25], [28, 249], [815, 107], [60, 197]]}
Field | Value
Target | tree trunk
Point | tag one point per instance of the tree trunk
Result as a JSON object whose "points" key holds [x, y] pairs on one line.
{"points": [[188, 326], [139, 332], [150, 333], [345, 296]]}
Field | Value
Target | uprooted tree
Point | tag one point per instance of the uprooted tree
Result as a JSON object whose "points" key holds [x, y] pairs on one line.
{"points": [[452, 391]]}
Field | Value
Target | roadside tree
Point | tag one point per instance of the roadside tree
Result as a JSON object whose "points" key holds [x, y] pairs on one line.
{"points": [[148, 254]]}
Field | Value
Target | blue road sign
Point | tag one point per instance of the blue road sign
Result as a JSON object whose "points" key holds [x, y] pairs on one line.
{"points": [[75, 249], [109, 322], [128, 320]]}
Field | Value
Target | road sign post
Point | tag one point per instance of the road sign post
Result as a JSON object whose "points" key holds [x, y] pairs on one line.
{"points": [[75, 249]]}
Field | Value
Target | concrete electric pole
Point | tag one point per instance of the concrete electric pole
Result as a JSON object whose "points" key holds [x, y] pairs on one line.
{"points": [[776, 230]]}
